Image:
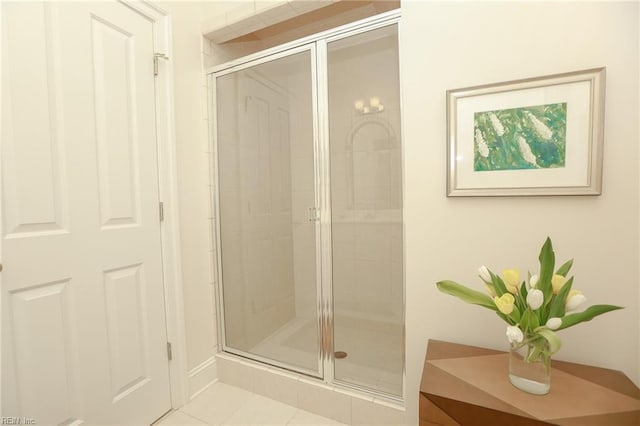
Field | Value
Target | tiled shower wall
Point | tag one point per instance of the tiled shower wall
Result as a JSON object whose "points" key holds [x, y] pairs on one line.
{"points": [[366, 186]]}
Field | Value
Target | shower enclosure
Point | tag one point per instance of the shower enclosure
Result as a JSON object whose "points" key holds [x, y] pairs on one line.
{"points": [[308, 196]]}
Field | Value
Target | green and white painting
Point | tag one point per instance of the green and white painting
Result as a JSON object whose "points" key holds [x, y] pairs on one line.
{"points": [[532, 137]]}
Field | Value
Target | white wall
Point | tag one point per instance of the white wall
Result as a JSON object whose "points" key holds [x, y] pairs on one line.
{"points": [[447, 45], [192, 151]]}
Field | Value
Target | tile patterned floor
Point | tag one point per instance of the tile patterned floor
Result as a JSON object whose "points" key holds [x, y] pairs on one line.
{"points": [[222, 404]]}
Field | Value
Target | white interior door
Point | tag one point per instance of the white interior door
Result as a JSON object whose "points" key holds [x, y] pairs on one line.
{"points": [[83, 322]]}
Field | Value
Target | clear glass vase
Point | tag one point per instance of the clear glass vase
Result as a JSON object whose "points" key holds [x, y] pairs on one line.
{"points": [[530, 365]]}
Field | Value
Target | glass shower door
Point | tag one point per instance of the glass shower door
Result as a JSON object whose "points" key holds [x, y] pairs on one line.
{"points": [[266, 209], [366, 210]]}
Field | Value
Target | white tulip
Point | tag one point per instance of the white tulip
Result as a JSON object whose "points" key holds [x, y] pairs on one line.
{"points": [[533, 281], [575, 300], [535, 298], [484, 274], [554, 323], [514, 334]]}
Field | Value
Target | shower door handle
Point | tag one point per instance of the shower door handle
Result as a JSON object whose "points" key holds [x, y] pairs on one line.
{"points": [[314, 214]]}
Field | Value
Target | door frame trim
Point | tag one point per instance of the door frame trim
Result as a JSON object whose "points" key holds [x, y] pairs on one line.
{"points": [[1, 210], [168, 195]]}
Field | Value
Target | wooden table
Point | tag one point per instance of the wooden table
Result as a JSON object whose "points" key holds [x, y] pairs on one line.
{"points": [[467, 385]]}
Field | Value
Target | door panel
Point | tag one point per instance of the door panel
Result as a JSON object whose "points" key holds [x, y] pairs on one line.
{"points": [[34, 183], [366, 209], [45, 344], [266, 186], [83, 305], [116, 130], [128, 340]]}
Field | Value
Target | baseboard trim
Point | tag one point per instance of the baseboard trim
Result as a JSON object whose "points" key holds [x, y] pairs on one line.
{"points": [[202, 376], [332, 401]]}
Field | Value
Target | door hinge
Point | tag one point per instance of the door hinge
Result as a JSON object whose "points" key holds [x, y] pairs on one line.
{"points": [[169, 353], [161, 208], [157, 56]]}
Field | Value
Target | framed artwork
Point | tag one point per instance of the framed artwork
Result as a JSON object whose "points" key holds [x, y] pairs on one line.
{"points": [[539, 136]]}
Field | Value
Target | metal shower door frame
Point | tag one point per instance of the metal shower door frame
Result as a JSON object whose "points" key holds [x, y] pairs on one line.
{"points": [[317, 46]]}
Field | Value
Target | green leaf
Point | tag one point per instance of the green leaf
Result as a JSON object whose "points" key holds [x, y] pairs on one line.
{"points": [[543, 314], [559, 301], [522, 297], [490, 286], [586, 315], [564, 269], [523, 294], [498, 284], [466, 294], [547, 262], [524, 321], [528, 321], [505, 318], [515, 315], [554, 341], [534, 322]]}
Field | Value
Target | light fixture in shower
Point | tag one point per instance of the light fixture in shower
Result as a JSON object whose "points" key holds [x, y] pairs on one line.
{"points": [[373, 107]]}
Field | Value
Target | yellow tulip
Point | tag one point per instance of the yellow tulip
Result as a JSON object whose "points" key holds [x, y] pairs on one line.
{"points": [[511, 278], [505, 303], [557, 281]]}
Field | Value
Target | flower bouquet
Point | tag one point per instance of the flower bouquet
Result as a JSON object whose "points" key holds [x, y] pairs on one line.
{"points": [[534, 310]]}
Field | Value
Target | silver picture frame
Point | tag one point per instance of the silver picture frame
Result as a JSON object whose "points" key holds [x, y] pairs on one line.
{"points": [[536, 136]]}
